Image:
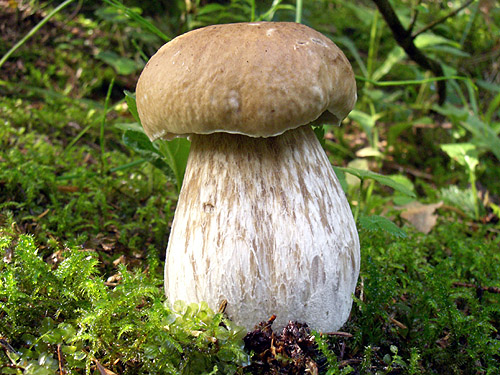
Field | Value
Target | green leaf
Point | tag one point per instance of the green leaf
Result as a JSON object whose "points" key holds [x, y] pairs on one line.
{"points": [[464, 153], [395, 56], [176, 154], [319, 131], [430, 39], [484, 135], [140, 143], [121, 65], [342, 180], [168, 156], [462, 199], [366, 121], [132, 14], [377, 223], [135, 126], [384, 180], [351, 46], [131, 104], [211, 8], [448, 50]]}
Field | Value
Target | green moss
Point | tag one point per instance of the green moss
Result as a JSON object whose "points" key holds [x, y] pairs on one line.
{"points": [[129, 327]]}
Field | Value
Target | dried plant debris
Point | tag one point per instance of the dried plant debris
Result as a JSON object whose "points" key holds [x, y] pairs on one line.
{"points": [[291, 351]]}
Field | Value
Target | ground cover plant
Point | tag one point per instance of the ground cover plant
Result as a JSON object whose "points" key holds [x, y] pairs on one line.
{"points": [[86, 200]]}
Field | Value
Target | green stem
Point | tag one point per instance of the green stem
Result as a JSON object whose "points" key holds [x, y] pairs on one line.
{"points": [[298, 11], [472, 180], [369, 192], [372, 47], [360, 194], [410, 81], [103, 123], [34, 30]]}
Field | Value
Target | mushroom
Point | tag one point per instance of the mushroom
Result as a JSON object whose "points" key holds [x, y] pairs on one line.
{"points": [[261, 221]]}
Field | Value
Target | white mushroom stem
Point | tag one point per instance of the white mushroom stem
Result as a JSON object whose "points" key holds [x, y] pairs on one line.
{"points": [[264, 224]]}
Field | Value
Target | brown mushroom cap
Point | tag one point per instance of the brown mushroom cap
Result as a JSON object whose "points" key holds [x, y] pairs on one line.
{"points": [[257, 79]]}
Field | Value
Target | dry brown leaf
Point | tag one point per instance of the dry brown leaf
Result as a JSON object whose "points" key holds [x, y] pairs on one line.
{"points": [[421, 216], [120, 260], [103, 370]]}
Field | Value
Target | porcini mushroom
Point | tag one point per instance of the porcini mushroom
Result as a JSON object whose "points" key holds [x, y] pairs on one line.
{"points": [[261, 220]]}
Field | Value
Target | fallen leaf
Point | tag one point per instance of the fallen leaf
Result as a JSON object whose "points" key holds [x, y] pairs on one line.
{"points": [[103, 370], [120, 260], [421, 216]]}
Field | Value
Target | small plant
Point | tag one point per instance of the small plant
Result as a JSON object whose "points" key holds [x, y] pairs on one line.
{"points": [[466, 155], [168, 156], [364, 194]]}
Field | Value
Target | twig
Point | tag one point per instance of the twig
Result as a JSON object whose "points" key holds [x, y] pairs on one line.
{"points": [[442, 19], [413, 20], [60, 360], [404, 38], [455, 210], [398, 323], [491, 289], [7, 346]]}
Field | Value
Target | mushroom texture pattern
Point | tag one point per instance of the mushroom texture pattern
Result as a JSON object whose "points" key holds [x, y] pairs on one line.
{"points": [[261, 221]]}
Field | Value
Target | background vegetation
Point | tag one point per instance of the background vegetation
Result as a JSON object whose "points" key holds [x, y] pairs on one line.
{"points": [[86, 200]]}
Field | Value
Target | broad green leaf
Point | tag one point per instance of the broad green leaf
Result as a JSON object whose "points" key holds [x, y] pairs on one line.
{"points": [[319, 131], [492, 107], [366, 121], [484, 135], [384, 180], [132, 106], [213, 7], [140, 143], [358, 163], [448, 50], [132, 14], [111, 14], [379, 223], [430, 39], [402, 199], [403, 180], [129, 126], [176, 154], [121, 65], [460, 198], [394, 56], [455, 114], [493, 87], [342, 180], [367, 152], [464, 153]]}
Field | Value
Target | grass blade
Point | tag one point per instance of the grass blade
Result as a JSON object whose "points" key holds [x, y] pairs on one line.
{"points": [[34, 30]]}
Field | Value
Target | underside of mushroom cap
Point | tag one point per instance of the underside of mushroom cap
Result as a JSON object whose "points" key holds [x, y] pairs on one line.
{"points": [[256, 79]]}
